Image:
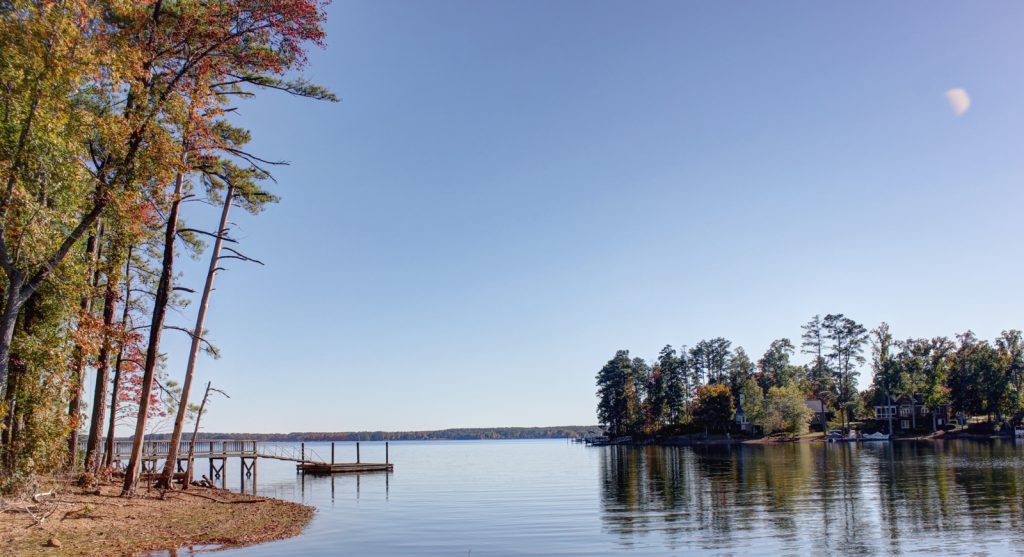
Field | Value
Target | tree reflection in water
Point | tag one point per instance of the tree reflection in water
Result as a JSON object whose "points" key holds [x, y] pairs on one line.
{"points": [[840, 498]]}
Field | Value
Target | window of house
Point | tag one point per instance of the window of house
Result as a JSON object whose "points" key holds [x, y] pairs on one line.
{"points": [[905, 424], [904, 410]]}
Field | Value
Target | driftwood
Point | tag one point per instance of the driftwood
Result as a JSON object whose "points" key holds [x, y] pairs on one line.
{"points": [[31, 510]]}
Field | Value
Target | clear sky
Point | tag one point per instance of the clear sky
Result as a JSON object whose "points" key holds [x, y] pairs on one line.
{"points": [[511, 191]]}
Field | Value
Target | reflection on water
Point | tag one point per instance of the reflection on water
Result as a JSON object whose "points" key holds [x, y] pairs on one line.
{"points": [[555, 498], [844, 499]]}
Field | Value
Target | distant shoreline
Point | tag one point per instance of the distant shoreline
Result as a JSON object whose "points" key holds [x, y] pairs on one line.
{"points": [[452, 434], [699, 440]]}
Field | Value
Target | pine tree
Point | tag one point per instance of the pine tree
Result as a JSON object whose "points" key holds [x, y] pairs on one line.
{"points": [[615, 393], [820, 379], [738, 369], [846, 340], [884, 368], [775, 367]]}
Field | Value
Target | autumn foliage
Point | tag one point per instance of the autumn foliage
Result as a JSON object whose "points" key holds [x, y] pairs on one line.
{"points": [[111, 113]]}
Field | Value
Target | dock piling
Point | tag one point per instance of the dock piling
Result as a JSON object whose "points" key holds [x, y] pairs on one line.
{"points": [[332, 452], [357, 452]]}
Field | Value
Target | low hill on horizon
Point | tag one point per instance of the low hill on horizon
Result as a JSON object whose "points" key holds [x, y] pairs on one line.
{"points": [[456, 434]]}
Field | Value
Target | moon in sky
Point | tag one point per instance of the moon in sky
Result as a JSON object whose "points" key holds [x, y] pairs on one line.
{"points": [[958, 100]]}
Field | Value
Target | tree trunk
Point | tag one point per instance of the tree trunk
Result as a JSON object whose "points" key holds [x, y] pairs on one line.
{"points": [[11, 433], [193, 354], [108, 448], [108, 454], [888, 411], [163, 295], [195, 434], [75, 405], [12, 306], [99, 400], [913, 411]]}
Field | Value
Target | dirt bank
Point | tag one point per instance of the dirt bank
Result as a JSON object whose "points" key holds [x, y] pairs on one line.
{"points": [[96, 521]]}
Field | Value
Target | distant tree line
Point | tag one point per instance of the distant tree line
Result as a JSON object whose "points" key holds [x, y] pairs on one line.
{"points": [[456, 434], [698, 388]]}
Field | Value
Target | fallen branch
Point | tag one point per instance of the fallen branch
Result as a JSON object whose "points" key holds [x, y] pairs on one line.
{"points": [[216, 500], [79, 513]]}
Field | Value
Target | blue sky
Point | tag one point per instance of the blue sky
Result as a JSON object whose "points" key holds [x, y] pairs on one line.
{"points": [[511, 191]]}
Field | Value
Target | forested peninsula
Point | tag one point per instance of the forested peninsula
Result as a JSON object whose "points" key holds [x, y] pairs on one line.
{"points": [[919, 386]]}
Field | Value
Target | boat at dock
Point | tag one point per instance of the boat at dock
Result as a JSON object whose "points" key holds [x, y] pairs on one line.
{"points": [[878, 436]]}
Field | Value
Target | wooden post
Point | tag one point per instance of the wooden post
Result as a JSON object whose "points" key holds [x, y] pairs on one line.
{"points": [[303, 455], [332, 452], [357, 452], [386, 453]]}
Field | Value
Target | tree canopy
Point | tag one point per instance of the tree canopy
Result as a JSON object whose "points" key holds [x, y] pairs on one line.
{"points": [[112, 114]]}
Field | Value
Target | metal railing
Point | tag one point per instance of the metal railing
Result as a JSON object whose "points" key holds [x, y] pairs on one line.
{"points": [[289, 452]]}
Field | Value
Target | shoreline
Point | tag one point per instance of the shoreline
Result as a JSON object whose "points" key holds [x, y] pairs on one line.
{"points": [[685, 441], [97, 521]]}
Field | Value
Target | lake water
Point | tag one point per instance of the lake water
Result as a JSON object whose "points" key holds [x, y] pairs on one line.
{"points": [[548, 497]]}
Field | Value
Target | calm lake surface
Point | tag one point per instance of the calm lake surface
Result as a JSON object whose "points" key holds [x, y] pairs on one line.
{"points": [[555, 498]]}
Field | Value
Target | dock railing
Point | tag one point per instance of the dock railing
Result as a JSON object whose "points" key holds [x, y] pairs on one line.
{"points": [[294, 454], [204, 448]]}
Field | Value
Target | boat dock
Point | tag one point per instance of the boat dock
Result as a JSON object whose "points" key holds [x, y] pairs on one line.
{"points": [[323, 468], [218, 451]]}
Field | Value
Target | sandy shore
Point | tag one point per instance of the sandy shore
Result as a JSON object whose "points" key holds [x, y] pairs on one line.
{"points": [[96, 521]]}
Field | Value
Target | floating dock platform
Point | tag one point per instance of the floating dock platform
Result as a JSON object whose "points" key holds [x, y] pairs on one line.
{"points": [[327, 468], [320, 467]]}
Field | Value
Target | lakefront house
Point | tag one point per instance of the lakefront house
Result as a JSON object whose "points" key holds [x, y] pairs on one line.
{"points": [[819, 416], [906, 411]]}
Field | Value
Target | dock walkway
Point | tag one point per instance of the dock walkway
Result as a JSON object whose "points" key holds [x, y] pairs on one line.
{"points": [[219, 450]]}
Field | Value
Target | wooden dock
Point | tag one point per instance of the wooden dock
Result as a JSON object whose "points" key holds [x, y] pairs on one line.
{"points": [[327, 468], [320, 468], [218, 451]]}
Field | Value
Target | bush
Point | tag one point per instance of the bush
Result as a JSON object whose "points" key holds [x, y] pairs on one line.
{"points": [[982, 428], [679, 429]]}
